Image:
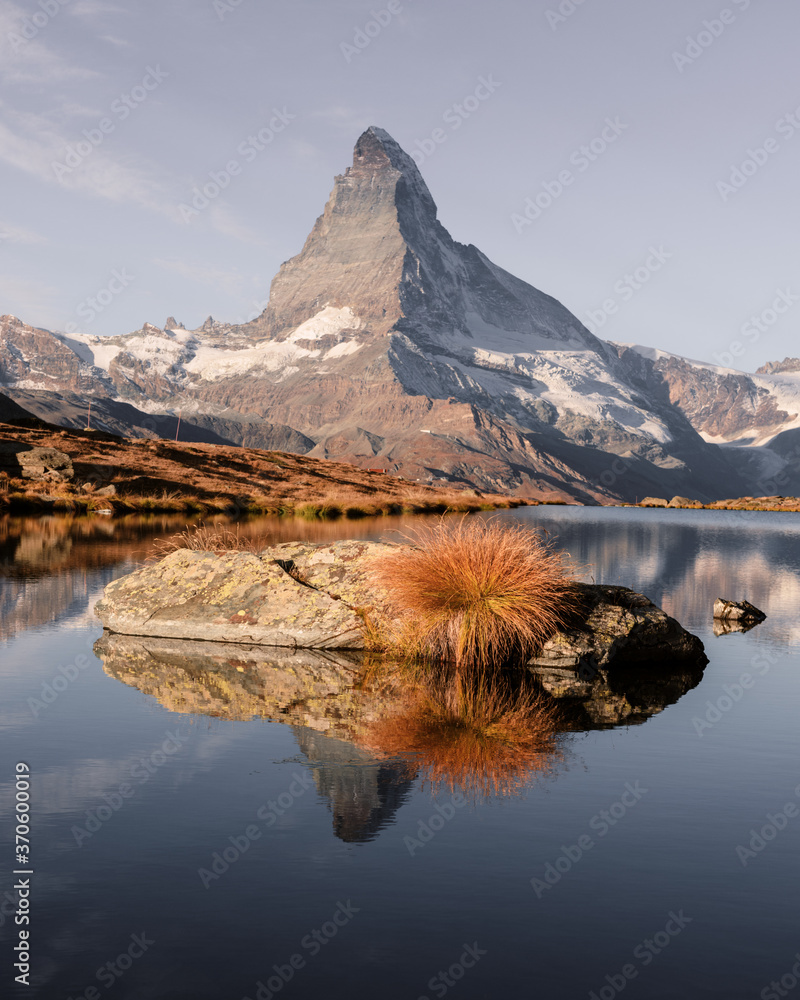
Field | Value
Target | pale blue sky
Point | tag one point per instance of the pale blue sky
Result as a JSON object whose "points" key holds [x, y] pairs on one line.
{"points": [[171, 90]]}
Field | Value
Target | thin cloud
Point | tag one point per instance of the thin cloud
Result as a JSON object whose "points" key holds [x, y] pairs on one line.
{"points": [[225, 223], [32, 145], [120, 43], [31, 60], [17, 234], [230, 282], [90, 9], [343, 118]]}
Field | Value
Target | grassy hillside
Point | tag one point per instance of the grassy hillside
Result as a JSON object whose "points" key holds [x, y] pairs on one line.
{"points": [[122, 474]]}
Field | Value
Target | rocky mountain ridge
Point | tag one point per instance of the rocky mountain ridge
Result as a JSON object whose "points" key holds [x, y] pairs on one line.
{"points": [[386, 343]]}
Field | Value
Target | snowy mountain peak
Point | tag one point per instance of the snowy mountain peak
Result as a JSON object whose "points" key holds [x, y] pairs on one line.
{"points": [[384, 337]]}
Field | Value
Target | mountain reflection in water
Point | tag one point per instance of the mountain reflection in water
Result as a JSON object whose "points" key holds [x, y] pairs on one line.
{"points": [[366, 734], [363, 794]]}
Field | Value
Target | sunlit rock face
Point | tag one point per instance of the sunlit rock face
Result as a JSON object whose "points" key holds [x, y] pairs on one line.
{"points": [[294, 595]]}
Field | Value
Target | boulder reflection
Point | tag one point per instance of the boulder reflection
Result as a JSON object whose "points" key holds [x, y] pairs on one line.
{"points": [[369, 731]]}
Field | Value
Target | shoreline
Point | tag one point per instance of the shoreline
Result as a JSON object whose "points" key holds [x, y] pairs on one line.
{"points": [[35, 502]]}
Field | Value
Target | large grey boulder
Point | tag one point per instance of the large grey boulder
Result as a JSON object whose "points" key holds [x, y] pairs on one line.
{"points": [[325, 596], [271, 600]]}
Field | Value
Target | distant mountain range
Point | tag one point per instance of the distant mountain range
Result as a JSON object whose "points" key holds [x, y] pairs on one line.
{"points": [[387, 344]]}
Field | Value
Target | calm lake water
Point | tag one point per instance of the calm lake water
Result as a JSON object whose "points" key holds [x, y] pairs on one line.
{"points": [[183, 849]]}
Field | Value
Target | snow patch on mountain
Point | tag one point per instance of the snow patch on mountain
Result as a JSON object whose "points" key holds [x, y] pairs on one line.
{"points": [[327, 322], [576, 381], [655, 354], [343, 348], [214, 363]]}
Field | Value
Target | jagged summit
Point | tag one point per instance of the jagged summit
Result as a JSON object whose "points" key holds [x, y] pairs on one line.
{"points": [[376, 150]]}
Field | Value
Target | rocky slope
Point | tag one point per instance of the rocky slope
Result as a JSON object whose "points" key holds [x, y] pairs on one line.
{"points": [[755, 419], [387, 343], [788, 365]]}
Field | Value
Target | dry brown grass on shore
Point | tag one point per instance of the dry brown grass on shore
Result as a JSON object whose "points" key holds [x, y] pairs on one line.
{"points": [[171, 477], [478, 594], [201, 538], [47, 497]]}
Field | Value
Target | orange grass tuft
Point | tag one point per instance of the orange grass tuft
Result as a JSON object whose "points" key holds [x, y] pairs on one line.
{"points": [[476, 593]]}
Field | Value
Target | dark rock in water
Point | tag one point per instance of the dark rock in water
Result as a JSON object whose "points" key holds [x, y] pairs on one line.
{"points": [[620, 661], [22, 461], [617, 627], [738, 611]]}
